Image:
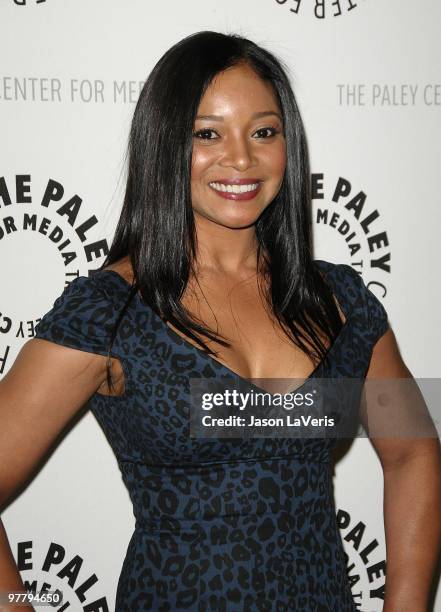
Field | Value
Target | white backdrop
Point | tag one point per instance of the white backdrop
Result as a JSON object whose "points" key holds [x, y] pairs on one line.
{"points": [[367, 79]]}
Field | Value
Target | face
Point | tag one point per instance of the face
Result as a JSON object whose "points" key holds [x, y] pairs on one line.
{"points": [[239, 151]]}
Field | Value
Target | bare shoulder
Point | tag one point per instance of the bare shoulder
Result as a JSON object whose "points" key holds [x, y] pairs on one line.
{"points": [[123, 267]]}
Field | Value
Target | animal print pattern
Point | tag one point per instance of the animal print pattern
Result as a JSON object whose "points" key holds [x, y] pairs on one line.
{"points": [[223, 525]]}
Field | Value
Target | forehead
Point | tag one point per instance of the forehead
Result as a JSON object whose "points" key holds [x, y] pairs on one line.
{"points": [[238, 88]]}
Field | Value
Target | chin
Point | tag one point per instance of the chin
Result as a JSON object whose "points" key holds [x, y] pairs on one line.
{"points": [[234, 219], [238, 222]]}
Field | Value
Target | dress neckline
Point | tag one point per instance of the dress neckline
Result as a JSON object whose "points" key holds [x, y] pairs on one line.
{"points": [[212, 361]]}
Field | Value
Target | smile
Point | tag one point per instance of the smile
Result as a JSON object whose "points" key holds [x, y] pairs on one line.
{"points": [[236, 190]]}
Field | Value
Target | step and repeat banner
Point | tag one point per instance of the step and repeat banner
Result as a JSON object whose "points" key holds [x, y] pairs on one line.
{"points": [[367, 79]]}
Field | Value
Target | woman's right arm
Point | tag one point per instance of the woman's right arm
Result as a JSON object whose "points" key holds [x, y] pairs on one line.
{"points": [[44, 389]]}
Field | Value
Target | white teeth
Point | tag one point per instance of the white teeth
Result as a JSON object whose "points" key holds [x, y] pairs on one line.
{"points": [[234, 188]]}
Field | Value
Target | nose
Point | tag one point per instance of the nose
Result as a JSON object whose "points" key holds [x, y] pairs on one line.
{"points": [[237, 154]]}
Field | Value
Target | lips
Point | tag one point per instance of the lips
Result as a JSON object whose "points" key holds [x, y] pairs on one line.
{"points": [[236, 189]]}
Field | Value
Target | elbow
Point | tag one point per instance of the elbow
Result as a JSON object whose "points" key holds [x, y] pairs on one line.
{"points": [[422, 455]]}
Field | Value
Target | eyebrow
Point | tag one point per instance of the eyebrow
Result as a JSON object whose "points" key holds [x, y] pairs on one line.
{"points": [[255, 116]]}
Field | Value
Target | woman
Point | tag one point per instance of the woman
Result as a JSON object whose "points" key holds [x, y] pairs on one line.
{"points": [[212, 256]]}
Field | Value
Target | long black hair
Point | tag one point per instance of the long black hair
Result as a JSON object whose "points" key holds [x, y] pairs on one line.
{"points": [[156, 228]]}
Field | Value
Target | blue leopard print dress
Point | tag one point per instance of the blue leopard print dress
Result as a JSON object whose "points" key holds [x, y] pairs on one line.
{"points": [[221, 524]]}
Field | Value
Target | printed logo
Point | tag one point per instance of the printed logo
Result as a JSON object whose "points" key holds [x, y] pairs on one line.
{"points": [[47, 238], [347, 226], [32, 89], [56, 570], [366, 565], [27, 2], [319, 9]]}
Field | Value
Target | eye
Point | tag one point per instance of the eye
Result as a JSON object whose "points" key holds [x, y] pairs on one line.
{"points": [[204, 134], [273, 131]]}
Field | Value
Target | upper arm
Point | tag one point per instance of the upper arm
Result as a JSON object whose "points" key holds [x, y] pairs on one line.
{"points": [[386, 360], [45, 387], [394, 410]]}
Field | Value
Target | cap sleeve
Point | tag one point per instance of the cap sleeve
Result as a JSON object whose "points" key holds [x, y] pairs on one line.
{"points": [[376, 315], [81, 318]]}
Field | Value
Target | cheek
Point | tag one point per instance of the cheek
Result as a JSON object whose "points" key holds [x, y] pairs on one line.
{"points": [[277, 160], [200, 161], [272, 161]]}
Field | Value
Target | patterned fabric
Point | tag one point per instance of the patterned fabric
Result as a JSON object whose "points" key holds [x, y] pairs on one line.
{"points": [[221, 524]]}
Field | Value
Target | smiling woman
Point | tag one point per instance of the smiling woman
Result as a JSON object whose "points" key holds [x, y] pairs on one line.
{"points": [[210, 277]]}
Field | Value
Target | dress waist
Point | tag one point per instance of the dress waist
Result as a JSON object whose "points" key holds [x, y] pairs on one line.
{"points": [[167, 499]]}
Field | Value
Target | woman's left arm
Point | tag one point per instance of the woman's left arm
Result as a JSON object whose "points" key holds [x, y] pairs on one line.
{"points": [[412, 497]]}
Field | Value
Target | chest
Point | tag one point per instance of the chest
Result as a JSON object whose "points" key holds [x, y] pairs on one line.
{"points": [[259, 349]]}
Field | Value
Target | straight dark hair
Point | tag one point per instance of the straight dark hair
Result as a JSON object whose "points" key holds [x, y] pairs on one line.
{"points": [[156, 228]]}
